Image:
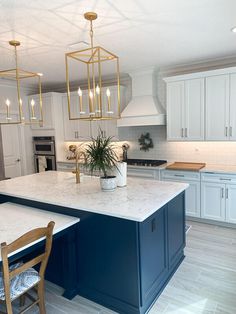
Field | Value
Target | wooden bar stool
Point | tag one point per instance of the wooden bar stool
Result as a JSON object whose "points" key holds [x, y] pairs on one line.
{"points": [[17, 279]]}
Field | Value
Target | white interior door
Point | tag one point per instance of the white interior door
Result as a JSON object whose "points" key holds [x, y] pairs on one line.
{"points": [[11, 150]]}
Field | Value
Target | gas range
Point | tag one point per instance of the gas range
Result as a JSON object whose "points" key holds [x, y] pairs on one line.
{"points": [[145, 162]]}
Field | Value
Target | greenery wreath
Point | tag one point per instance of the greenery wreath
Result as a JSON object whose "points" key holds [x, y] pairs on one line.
{"points": [[145, 142]]}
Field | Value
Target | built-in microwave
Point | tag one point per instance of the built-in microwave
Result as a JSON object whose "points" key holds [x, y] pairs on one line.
{"points": [[44, 145]]}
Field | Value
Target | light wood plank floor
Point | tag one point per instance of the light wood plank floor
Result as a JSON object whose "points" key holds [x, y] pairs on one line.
{"points": [[204, 283]]}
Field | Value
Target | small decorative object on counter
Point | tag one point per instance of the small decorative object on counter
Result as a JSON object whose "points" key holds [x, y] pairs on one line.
{"points": [[121, 174], [125, 147], [72, 152], [145, 142], [101, 156]]}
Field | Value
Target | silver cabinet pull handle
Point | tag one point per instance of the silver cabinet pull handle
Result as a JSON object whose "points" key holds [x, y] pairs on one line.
{"points": [[227, 193], [182, 134], [226, 131], [222, 192], [225, 179], [230, 131], [179, 175], [186, 132]]}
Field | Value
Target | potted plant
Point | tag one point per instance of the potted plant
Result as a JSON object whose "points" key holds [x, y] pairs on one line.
{"points": [[101, 156]]}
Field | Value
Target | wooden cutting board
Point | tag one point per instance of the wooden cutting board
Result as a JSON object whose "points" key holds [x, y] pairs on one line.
{"points": [[191, 166]]}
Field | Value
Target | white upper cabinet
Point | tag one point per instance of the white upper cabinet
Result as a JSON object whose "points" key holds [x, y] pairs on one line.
{"points": [[48, 117], [185, 110], [71, 127], [175, 111], [194, 109], [217, 107], [79, 130], [232, 108], [202, 106]]}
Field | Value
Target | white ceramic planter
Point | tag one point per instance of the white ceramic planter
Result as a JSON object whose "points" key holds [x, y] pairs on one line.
{"points": [[108, 184]]}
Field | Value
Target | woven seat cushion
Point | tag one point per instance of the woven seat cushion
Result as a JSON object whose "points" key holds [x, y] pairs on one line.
{"points": [[20, 283]]}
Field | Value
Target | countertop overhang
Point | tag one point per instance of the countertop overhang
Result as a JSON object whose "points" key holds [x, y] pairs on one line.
{"points": [[137, 201]]}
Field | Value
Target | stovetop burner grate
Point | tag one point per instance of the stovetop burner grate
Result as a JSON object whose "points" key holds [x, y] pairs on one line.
{"points": [[145, 162]]}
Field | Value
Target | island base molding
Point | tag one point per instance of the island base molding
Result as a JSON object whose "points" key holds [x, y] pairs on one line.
{"points": [[119, 263]]}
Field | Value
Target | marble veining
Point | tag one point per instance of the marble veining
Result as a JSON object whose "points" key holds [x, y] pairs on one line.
{"points": [[137, 201], [18, 219]]}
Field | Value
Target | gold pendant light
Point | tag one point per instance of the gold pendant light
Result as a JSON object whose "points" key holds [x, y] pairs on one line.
{"points": [[96, 102], [18, 110]]}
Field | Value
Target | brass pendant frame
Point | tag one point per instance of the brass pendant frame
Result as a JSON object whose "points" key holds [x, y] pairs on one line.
{"points": [[93, 59], [18, 75]]}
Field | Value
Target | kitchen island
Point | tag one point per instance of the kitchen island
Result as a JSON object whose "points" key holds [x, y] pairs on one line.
{"points": [[128, 243]]}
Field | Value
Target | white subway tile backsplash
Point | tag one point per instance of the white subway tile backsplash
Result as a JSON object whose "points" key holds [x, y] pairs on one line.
{"points": [[209, 152]]}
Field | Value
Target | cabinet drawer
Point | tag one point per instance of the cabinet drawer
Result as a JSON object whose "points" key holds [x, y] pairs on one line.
{"points": [[218, 178], [65, 166], [178, 175], [142, 173]]}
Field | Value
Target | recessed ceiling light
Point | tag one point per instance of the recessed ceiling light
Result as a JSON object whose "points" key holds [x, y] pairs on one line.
{"points": [[233, 29]]}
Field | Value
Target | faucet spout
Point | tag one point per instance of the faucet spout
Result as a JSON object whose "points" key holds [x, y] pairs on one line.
{"points": [[77, 167]]}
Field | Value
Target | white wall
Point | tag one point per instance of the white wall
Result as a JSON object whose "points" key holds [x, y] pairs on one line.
{"points": [[209, 152]]}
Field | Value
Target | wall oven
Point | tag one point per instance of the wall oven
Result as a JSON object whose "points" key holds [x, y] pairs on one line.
{"points": [[44, 153]]}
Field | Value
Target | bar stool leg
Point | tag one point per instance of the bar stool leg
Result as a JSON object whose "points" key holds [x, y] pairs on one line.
{"points": [[42, 309]]}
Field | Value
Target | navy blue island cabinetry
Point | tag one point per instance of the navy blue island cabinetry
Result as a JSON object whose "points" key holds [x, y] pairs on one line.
{"points": [[121, 264], [125, 248]]}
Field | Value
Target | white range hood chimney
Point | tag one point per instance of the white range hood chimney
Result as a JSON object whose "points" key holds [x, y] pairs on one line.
{"points": [[144, 108]]}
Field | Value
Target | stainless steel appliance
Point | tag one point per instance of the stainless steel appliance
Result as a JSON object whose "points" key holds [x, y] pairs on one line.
{"points": [[44, 153]]}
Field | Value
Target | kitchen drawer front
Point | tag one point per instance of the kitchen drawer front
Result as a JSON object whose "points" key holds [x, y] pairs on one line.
{"points": [[61, 166], [180, 175], [218, 177], [143, 173]]}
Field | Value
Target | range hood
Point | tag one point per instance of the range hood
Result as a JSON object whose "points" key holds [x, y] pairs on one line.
{"points": [[144, 107]]}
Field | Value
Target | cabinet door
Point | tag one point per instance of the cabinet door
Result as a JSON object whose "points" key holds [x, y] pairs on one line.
{"points": [[175, 111], [71, 127], [230, 195], [176, 229], [194, 109], [48, 119], [213, 201], [232, 108], [217, 107], [192, 197], [153, 255]]}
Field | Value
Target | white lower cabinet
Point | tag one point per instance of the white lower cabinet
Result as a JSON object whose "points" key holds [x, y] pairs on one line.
{"points": [[213, 201], [230, 203], [218, 197], [192, 195]]}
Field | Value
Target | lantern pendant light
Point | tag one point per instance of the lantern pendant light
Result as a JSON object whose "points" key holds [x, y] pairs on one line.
{"points": [[95, 101], [17, 109]]}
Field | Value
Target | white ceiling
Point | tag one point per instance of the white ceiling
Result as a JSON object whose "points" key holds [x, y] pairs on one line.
{"points": [[141, 32]]}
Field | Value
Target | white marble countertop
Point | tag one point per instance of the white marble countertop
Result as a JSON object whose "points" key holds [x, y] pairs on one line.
{"points": [[18, 219], [137, 201], [230, 169]]}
